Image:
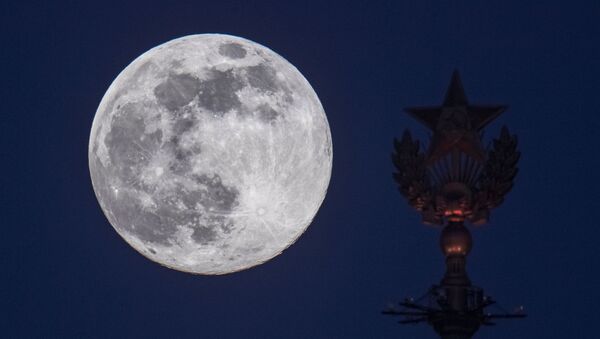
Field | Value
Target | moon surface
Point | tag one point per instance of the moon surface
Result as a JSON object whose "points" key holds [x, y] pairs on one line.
{"points": [[210, 154]]}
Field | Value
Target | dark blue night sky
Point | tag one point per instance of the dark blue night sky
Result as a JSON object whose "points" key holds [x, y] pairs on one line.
{"points": [[67, 274]]}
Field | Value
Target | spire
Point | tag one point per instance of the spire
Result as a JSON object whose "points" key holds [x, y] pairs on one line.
{"points": [[451, 182], [455, 95]]}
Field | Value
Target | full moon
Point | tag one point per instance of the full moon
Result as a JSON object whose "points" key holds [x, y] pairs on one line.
{"points": [[210, 154]]}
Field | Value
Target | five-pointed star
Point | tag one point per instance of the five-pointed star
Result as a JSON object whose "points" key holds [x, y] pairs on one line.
{"points": [[456, 125]]}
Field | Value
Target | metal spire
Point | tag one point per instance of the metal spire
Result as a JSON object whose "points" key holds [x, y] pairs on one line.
{"points": [[456, 180]]}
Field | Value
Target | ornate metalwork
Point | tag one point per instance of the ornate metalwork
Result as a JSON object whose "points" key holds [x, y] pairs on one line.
{"points": [[455, 180], [500, 170], [433, 308]]}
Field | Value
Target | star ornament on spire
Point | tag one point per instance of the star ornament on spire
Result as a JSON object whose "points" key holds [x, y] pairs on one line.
{"points": [[456, 178], [453, 183], [456, 125]]}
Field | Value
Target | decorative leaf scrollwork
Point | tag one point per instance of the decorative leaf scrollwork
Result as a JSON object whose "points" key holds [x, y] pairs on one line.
{"points": [[499, 171], [411, 171]]}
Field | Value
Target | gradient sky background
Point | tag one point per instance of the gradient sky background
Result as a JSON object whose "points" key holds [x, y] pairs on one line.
{"points": [[66, 272]]}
